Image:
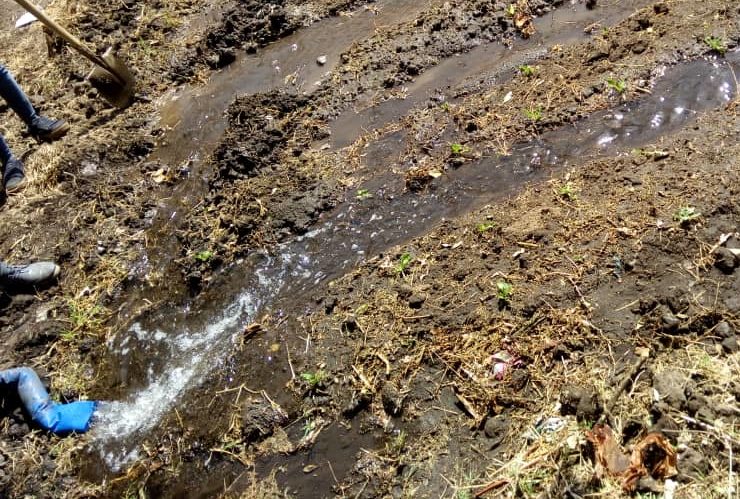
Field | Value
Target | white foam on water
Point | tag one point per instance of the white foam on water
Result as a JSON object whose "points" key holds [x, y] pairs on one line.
{"points": [[193, 354]]}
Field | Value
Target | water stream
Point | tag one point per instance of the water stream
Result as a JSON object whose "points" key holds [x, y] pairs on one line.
{"points": [[177, 349], [492, 63]]}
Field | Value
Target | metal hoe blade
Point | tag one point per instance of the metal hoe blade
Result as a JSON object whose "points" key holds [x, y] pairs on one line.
{"points": [[117, 85]]}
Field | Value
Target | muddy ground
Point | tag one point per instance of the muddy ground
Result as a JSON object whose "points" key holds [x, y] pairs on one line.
{"points": [[472, 357]]}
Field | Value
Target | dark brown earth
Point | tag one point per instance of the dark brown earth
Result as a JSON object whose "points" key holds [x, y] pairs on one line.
{"points": [[395, 393]]}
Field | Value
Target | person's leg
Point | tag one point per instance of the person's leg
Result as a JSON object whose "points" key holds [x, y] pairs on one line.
{"points": [[15, 97], [41, 127], [5, 152]]}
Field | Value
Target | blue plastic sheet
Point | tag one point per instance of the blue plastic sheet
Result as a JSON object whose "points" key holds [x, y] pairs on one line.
{"points": [[50, 415]]}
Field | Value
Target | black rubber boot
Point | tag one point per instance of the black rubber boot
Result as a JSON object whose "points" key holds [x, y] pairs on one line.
{"points": [[47, 129]]}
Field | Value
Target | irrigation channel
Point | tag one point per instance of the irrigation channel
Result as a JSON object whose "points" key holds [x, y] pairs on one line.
{"points": [[165, 355]]}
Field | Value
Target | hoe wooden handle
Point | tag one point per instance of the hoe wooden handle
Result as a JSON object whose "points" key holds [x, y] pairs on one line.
{"points": [[74, 42]]}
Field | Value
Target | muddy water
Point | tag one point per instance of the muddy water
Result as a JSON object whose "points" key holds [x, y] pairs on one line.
{"points": [[488, 64], [195, 117], [172, 351]]}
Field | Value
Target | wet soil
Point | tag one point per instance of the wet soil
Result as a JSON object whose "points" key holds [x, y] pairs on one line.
{"points": [[425, 276]]}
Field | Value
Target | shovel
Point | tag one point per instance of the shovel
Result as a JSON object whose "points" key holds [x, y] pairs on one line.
{"points": [[110, 77]]}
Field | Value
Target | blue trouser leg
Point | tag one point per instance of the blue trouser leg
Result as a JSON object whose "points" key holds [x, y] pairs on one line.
{"points": [[18, 102], [14, 96], [57, 418], [5, 152]]}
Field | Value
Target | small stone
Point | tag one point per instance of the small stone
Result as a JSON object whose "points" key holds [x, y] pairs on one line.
{"points": [[259, 419], [724, 330], [691, 464], [596, 55], [733, 304], [669, 385], [23, 301], [730, 344], [670, 321], [581, 401], [496, 429], [639, 47], [392, 400], [321, 60], [416, 301], [725, 260], [661, 8]]}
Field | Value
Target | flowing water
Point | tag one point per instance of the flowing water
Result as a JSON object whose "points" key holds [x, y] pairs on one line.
{"points": [[488, 63], [177, 349]]}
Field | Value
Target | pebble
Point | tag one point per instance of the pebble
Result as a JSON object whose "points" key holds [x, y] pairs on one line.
{"points": [[730, 344], [723, 330], [321, 60]]}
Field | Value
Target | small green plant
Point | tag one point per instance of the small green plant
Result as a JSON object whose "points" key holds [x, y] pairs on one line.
{"points": [[363, 194], [647, 495], [458, 149], [716, 44], [308, 427], [484, 227], [618, 86], [686, 214], [203, 256], [567, 191], [586, 424], [83, 317], [403, 263], [396, 444], [511, 9], [533, 113], [504, 291], [445, 106], [526, 70], [314, 379]]}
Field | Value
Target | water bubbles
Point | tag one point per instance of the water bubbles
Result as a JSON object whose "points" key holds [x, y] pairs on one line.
{"points": [[657, 120], [606, 139]]}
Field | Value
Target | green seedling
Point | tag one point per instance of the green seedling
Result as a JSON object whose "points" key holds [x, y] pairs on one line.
{"points": [[363, 194], [203, 256], [314, 379], [526, 70], [397, 443], [403, 263], [567, 191], [586, 424], [686, 214], [83, 318], [533, 113], [618, 86], [716, 44], [511, 9], [308, 427], [504, 291], [445, 106], [484, 227], [458, 149]]}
